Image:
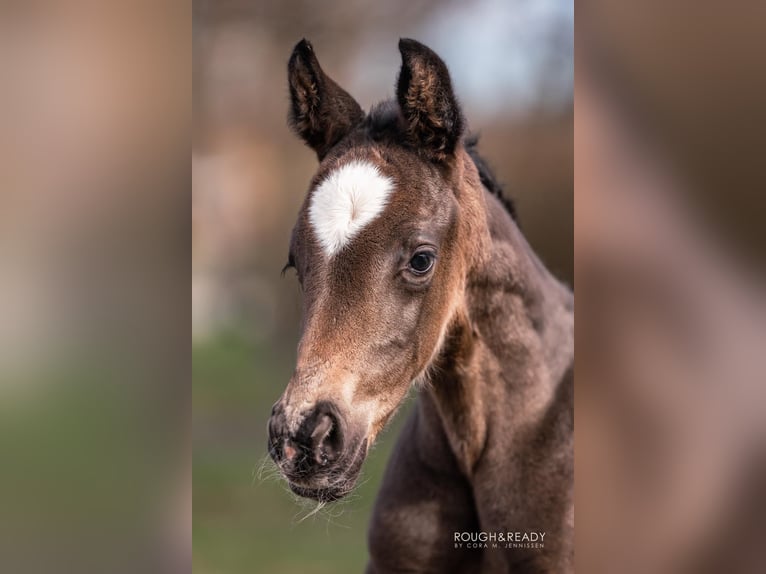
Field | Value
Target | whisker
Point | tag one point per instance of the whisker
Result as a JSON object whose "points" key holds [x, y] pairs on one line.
{"points": [[320, 505]]}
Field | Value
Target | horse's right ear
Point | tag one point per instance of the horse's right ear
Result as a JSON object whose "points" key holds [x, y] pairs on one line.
{"points": [[321, 112]]}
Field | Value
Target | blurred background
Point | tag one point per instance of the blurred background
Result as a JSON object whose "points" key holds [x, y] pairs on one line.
{"points": [[512, 68], [95, 125], [669, 251], [95, 395]]}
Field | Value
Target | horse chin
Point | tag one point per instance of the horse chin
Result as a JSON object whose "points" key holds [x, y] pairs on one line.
{"points": [[341, 486], [328, 494]]}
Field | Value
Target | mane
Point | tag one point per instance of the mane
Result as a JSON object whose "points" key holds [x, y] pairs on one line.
{"points": [[384, 122], [487, 176]]}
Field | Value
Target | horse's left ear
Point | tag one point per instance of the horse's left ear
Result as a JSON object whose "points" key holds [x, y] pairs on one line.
{"points": [[430, 109], [321, 112]]}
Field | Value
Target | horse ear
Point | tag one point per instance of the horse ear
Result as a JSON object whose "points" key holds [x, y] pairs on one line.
{"points": [[321, 112], [430, 109]]}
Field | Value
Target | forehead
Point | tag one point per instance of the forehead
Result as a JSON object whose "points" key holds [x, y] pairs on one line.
{"points": [[348, 198], [371, 189]]}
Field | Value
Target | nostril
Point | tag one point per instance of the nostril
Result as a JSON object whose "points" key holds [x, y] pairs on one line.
{"points": [[325, 439], [323, 428], [277, 435], [318, 441], [319, 436]]}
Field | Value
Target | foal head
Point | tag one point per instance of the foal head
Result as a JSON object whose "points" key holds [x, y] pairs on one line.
{"points": [[392, 223]]}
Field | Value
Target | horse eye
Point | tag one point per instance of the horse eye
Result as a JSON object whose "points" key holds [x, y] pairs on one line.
{"points": [[421, 262]]}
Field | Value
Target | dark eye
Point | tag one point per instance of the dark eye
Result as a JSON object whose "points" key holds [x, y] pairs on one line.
{"points": [[421, 262]]}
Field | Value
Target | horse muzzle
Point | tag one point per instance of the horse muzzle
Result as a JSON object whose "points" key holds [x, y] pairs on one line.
{"points": [[319, 458]]}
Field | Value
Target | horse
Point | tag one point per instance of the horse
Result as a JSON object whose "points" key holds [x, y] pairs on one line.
{"points": [[414, 272]]}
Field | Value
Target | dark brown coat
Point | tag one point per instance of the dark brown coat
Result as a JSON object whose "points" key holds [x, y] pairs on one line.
{"points": [[431, 283]]}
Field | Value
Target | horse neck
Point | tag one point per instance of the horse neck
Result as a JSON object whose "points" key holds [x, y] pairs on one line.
{"points": [[508, 348]]}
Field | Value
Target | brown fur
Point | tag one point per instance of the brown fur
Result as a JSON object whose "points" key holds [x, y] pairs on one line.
{"points": [[488, 331]]}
